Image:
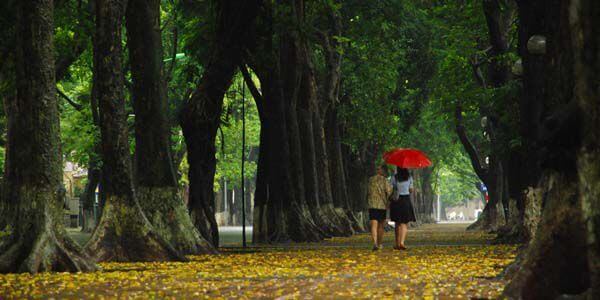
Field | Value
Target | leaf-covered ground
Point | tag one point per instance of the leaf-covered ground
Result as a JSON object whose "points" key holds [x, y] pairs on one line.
{"points": [[443, 261]]}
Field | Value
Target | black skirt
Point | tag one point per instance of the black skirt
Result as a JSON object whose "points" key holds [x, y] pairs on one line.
{"points": [[401, 210]]}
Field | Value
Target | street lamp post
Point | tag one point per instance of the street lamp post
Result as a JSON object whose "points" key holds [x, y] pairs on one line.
{"points": [[243, 162]]}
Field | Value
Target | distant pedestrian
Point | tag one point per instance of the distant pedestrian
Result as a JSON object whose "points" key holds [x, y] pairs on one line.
{"points": [[401, 208], [379, 191]]}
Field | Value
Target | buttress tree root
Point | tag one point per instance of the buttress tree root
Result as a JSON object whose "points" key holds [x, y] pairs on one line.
{"points": [[125, 234], [32, 198], [155, 180], [38, 242]]}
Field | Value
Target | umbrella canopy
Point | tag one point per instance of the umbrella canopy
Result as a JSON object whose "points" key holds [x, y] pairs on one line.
{"points": [[407, 158]]}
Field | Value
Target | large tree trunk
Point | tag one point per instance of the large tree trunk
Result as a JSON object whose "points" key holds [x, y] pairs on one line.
{"points": [[492, 217], [565, 247], [201, 114], [360, 167], [123, 233], [260, 220], [585, 27], [33, 177], [324, 215], [269, 218], [281, 210], [424, 206], [200, 119], [156, 184], [499, 17], [557, 251], [94, 178], [338, 176], [277, 216], [327, 118], [324, 177], [274, 187], [300, 221]]}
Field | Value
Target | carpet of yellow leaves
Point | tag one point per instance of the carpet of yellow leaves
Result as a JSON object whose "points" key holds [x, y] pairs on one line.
{"points": [[443, 262]]}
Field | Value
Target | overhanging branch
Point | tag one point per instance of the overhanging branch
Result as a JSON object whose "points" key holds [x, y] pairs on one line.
{"points": [[75, 105], [468, 145], [258, 97]]}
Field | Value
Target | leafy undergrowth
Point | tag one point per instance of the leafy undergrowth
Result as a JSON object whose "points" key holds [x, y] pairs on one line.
{"points": [[338, 268]]}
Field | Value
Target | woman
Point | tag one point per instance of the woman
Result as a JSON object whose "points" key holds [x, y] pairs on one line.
{"points": [[379, 191], [401, 208]]}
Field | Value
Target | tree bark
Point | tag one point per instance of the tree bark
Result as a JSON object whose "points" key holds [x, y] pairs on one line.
{"points": [[336, 167], [260, 220], [326, 115], [586, 43], [491, 218], [499, 17], [564, 105], [37, 239], [424, 209], [123, 233], [274, 185], [360, 166], [200, 116], [324, 177], [292, 53], [324, 215], [155, 180]]}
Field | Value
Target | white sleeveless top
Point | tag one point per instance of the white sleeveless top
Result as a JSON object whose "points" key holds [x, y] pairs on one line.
{"points": [[401, 188]]}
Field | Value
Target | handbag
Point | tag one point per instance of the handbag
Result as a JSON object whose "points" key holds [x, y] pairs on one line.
{"points": [[391, 198]]}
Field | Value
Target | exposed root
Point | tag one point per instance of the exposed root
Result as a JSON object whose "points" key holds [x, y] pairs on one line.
{"points": [[124, 234], [327, 227], [47, 253], [348, 216], [301, 226], [341, 223], [168, 215], [39, 244], [552, 265], [205, 226], [490, 220]]}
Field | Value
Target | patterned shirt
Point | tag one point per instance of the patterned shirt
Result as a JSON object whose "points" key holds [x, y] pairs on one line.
{"points": [[379, 191]]}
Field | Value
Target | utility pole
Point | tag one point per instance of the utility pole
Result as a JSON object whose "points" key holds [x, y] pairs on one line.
{"points": [[243, 162], [439, 215]]}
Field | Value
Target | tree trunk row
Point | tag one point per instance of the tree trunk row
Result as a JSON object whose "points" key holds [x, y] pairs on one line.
{"points": [[301, 183], [560, 101]]}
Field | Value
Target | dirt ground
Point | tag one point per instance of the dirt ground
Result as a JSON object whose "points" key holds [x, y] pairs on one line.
{"points": [[443, 261]]}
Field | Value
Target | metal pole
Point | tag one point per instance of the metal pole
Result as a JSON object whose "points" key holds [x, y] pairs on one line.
{"points": [[439, 212], [243, 162]]}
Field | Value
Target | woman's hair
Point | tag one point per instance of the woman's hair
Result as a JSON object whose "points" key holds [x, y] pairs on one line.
{"points": [[402, 174]]}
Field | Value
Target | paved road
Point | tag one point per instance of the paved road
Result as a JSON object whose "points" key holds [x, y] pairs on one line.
{"points": [[232, 235], [228, 235]]}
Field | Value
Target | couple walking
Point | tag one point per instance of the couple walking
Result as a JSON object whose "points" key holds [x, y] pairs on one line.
{"points": [[394, 195]]}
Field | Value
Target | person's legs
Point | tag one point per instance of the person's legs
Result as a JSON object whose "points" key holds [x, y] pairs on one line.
{"points": [[374, 232], [403, 232], [380, 231], [397, 234]]}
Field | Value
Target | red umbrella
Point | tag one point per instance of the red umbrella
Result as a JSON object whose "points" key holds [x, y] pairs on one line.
{"points": [[407, 158]]}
